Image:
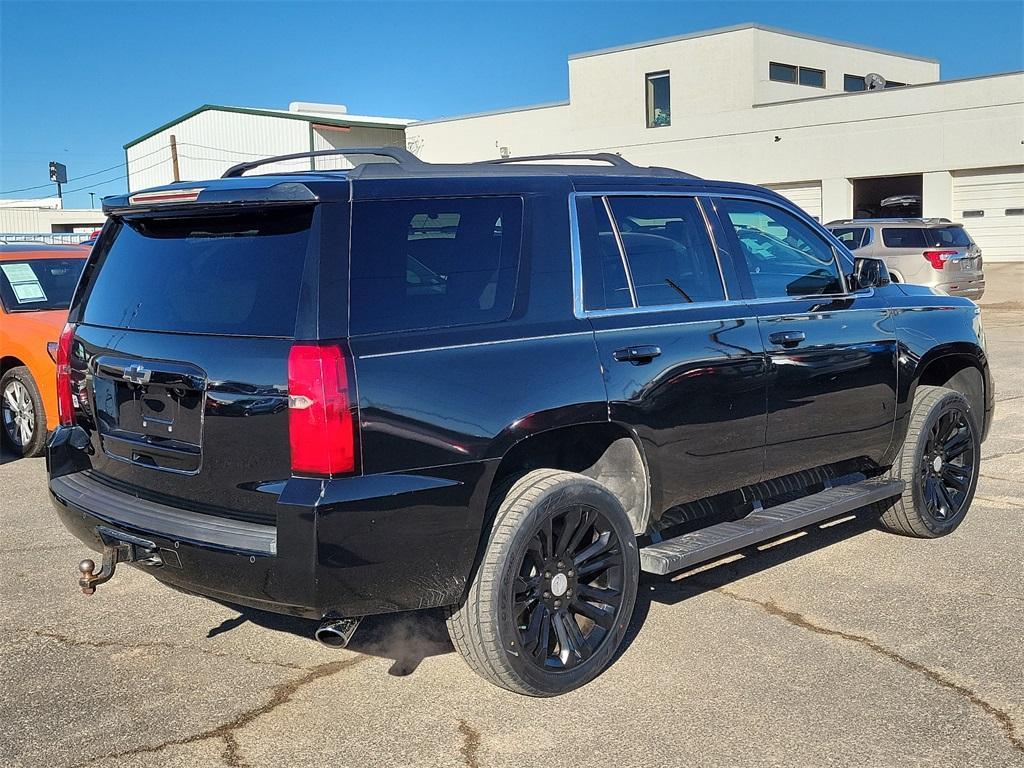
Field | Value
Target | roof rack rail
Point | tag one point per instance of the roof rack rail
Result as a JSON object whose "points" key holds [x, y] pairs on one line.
{"points": [[606, 157], [398, 154]]}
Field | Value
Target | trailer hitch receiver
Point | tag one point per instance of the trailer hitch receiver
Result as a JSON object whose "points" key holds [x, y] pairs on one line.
{"points": [[118, 547]]}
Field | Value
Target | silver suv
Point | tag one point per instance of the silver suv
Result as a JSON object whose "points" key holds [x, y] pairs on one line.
{"points": [[932, 252]]}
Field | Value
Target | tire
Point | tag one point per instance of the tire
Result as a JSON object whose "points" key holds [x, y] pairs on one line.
{"points": [[940, 461], [22, 415], [530, 623]]}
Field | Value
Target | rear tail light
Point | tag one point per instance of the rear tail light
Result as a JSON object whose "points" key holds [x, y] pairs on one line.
{"points": [[65, 402], [322, 419], [938, 259]]}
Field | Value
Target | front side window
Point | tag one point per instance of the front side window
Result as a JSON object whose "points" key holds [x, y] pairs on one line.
{"points": [[667, 251], [659, 101], [852, 237], [784, 255], [433, 263]]}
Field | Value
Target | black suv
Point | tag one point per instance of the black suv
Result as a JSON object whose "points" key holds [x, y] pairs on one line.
{"points": [[500, 388]]}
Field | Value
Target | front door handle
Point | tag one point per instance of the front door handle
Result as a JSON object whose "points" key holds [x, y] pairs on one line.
{"points": [[636, 355], [787, 338]]}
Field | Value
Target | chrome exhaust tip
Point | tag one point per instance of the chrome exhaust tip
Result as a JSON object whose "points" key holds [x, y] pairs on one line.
{"points": [[337, 633]]}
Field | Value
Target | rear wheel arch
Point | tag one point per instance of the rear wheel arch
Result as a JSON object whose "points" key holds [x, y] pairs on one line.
{"points": [[603, 451]]}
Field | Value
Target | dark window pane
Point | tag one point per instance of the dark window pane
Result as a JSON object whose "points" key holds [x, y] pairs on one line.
{"points": [[851, 237], [893, 84], [670, 257], [38, 284], [785, 256], [937, 237], [237, 274], [903, 237], [783, 73], [604, 277], [659, 101], [854, 83], [433, 263], [813, 77]]}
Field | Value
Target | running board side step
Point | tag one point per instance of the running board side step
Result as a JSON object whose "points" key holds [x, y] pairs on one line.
{"points": [[761, 525]]}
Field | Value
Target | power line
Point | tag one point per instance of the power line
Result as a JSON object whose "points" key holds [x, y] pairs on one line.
{"points": [[116, 178], [87, 175]]}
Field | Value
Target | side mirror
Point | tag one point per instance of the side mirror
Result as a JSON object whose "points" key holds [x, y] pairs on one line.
{"points": [[869, 273]]}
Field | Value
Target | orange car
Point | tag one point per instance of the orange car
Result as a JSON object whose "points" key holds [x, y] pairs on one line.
{"points": [[36, 284]]}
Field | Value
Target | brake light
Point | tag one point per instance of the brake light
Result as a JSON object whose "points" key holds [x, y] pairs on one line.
{"points": [[65, 402], [938, 259], [322, 418]]}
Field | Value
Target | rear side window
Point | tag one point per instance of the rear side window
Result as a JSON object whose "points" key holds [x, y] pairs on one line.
{"points": [[668, 251], [433, 263], [236, 274], [604, 273], [904, 237]]}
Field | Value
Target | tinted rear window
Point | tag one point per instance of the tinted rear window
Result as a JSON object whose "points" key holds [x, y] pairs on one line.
{"points": [[237, 274], [433, 263], [852, 237], [37, 284]]}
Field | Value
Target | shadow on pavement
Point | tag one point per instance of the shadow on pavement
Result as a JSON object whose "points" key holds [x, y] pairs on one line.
{"points": [[410, 637], [406, 638]]}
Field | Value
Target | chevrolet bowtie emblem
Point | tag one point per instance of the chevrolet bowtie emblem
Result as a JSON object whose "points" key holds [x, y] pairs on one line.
{"points": [[136, 374]]}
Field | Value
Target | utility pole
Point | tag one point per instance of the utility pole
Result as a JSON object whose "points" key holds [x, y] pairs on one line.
{"points": [[174, 158]]}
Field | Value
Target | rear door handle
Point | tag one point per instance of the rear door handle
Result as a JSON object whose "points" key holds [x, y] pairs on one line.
{"points": [[787, 338], [639, 354]]}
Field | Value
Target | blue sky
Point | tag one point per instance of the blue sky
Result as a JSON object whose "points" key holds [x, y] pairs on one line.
{"points": [[79, 79]]}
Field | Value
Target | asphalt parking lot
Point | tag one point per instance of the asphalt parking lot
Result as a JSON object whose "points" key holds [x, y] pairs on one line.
{"points": [[845, 646]]}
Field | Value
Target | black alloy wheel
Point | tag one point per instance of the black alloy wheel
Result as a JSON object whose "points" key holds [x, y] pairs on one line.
{"points": [[948, 465], [568, 591]]}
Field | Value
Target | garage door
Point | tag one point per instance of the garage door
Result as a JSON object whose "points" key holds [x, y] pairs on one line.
{"points": [[990, 205], [806, 194]]}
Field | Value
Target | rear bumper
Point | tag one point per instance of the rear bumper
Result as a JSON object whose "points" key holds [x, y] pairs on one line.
{"points": [[341, 547], [970, 289]]}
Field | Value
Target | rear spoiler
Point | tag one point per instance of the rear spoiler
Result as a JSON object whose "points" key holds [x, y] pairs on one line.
{"points": [[188, 194]]}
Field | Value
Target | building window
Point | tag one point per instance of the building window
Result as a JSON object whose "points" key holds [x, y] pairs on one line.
{"points": [[858, 83], [790, 73], [659, 101], [812, 77], [973, 214], [781, 73], [853, 83]]}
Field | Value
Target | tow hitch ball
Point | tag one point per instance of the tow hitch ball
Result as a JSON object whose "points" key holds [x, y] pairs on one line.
{"points": [[117, 548]]}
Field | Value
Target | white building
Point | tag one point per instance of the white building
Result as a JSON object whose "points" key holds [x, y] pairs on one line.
{"points": [[768, 106], [42, 218], [212, 138], [745, 103]]}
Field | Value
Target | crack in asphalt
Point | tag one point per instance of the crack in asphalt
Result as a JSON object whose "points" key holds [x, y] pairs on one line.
{"points": [[997, 502], [281, 694], [994, 477], [1002, 454], [470, 748], [1001, 717], [80, 643]]}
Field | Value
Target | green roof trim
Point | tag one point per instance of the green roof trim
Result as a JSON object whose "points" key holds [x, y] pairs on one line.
{"points": [[341, 122]]}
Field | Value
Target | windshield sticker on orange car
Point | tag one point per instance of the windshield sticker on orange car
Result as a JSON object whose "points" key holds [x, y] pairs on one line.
{"points": [[24, 283]]}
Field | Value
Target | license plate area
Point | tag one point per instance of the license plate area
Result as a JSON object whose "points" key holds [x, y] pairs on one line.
{"points": [[151, 414]]}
